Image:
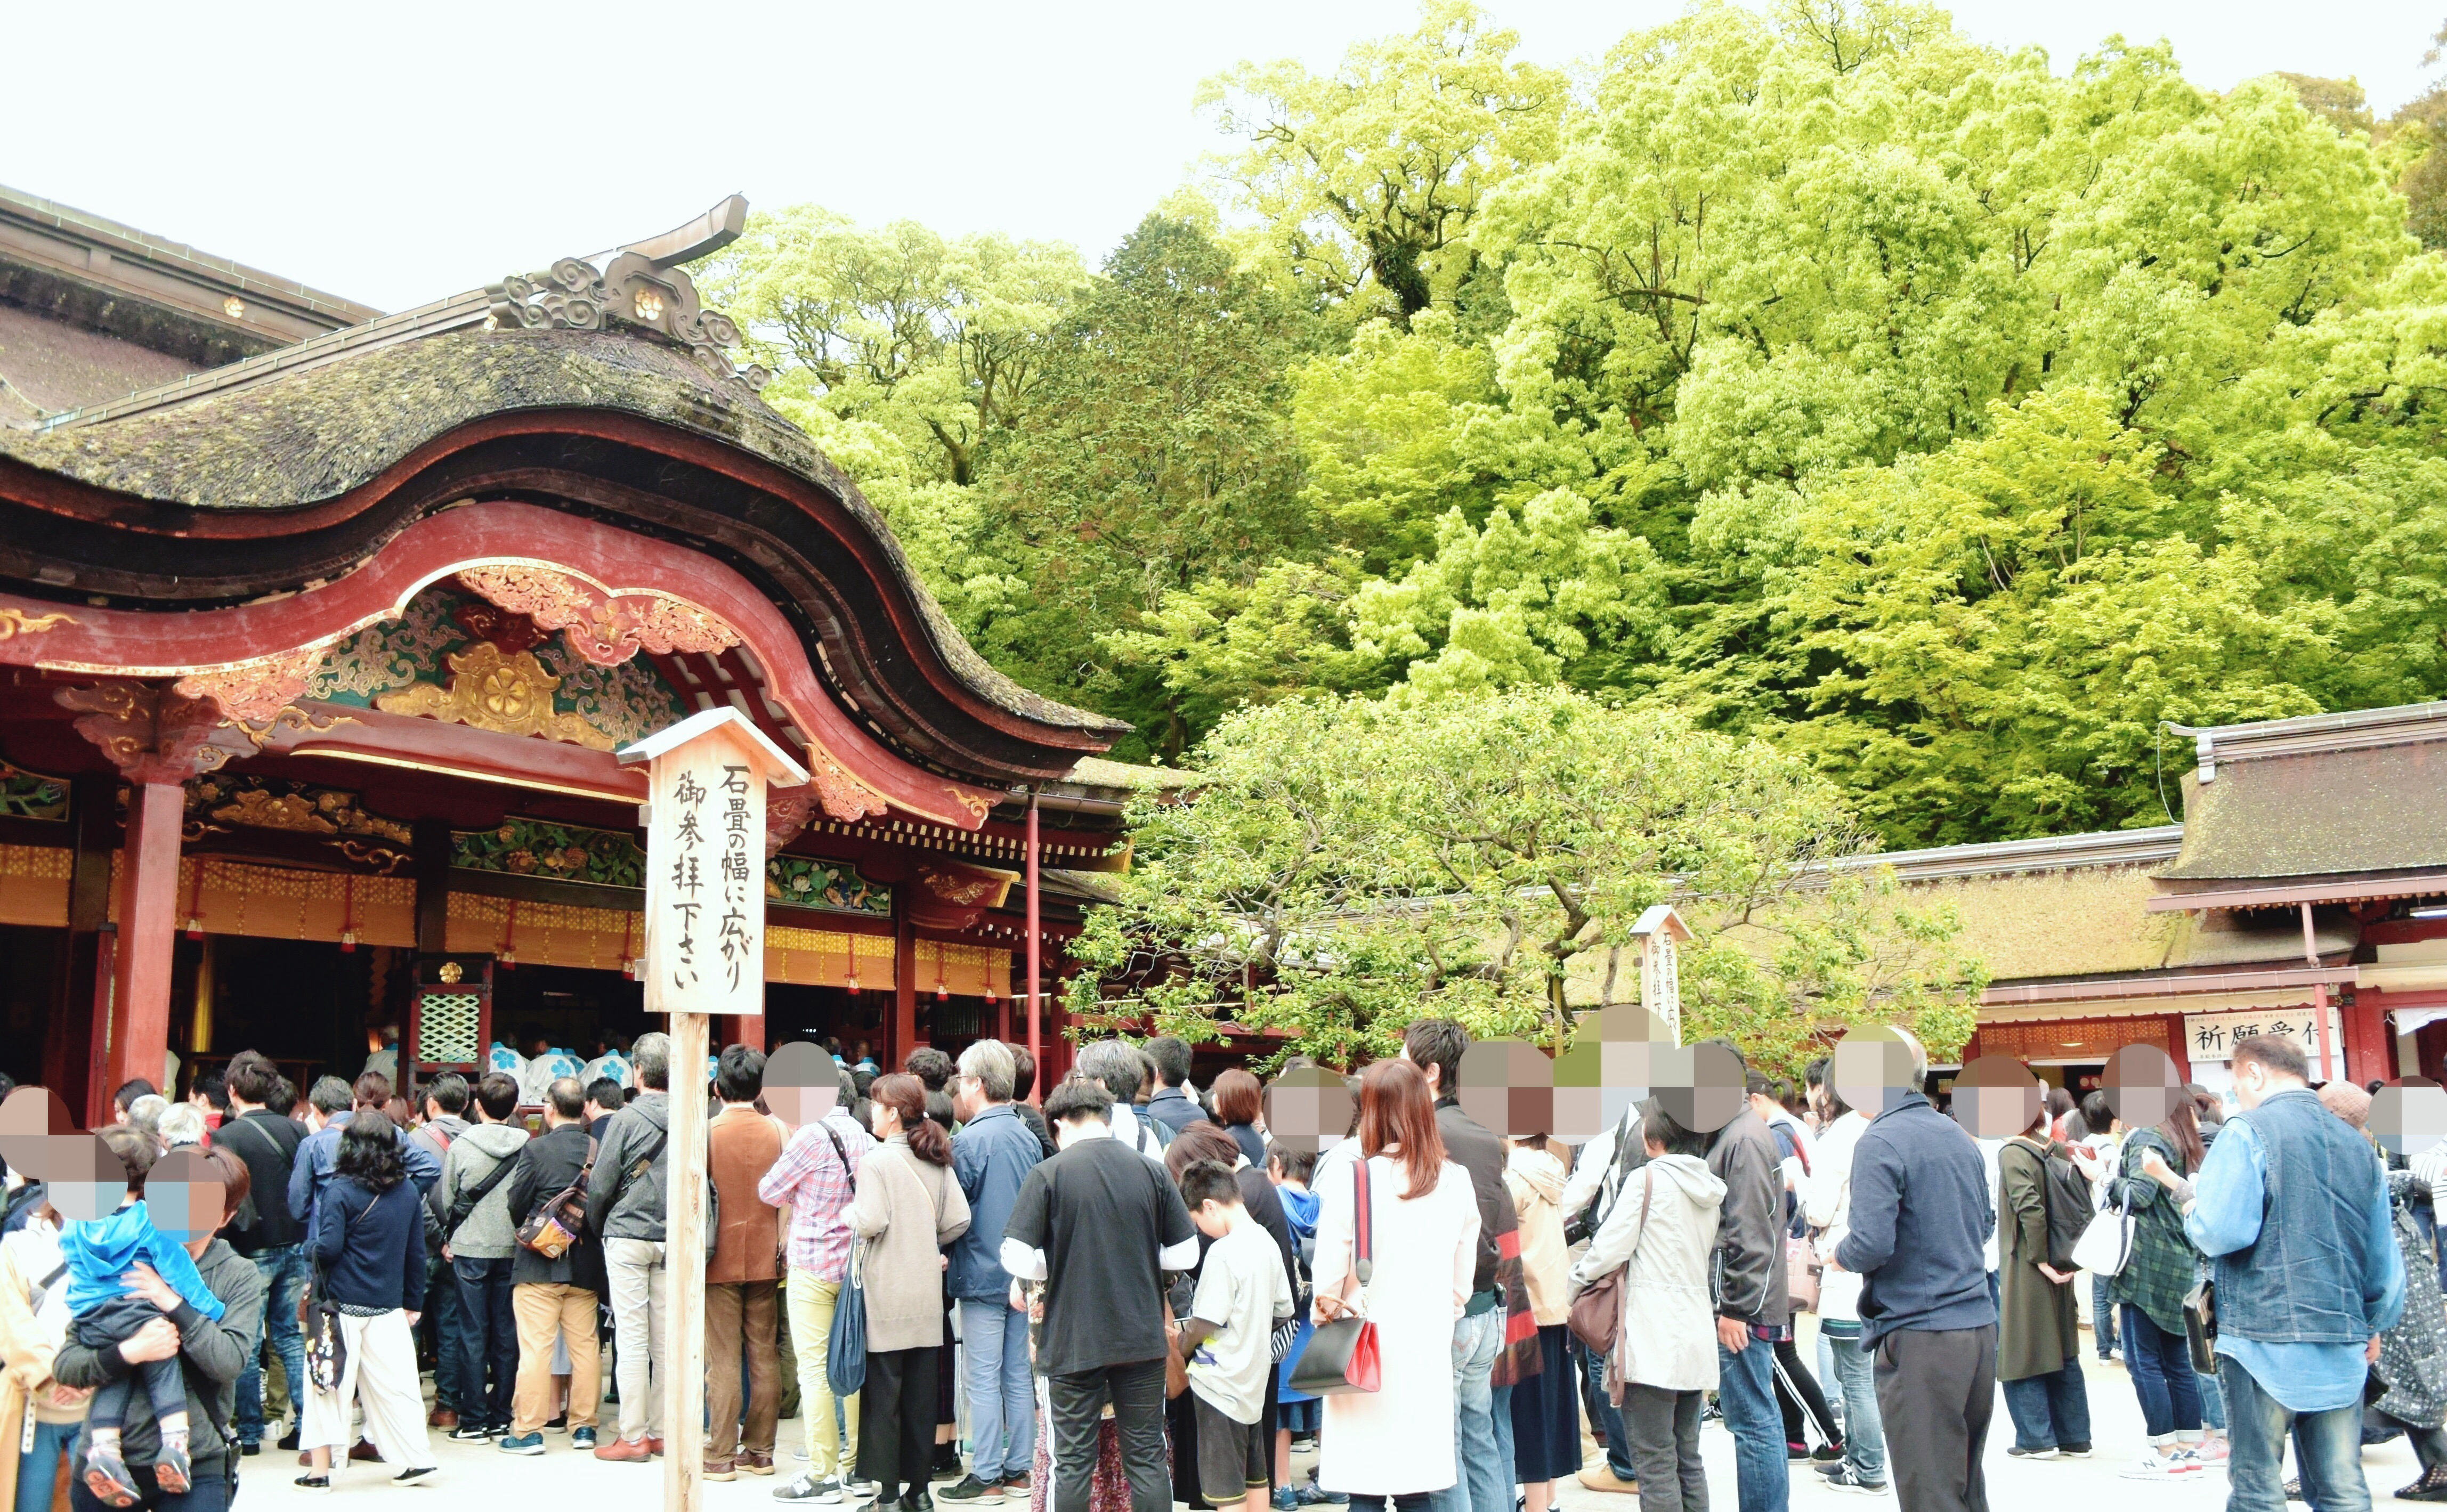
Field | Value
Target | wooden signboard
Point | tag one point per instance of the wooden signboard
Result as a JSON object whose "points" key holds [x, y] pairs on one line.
{"points": [[707, 778]]}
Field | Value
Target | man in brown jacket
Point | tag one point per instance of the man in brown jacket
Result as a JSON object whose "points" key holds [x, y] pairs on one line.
{"points": [[741, 1275]]}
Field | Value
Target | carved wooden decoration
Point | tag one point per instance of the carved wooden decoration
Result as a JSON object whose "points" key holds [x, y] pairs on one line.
{"points": [[605, 628], [151, 735], [252, 694], [508, 694]]}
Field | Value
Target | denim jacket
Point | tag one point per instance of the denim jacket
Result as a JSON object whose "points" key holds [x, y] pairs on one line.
{"points": [[2292, 1211]]}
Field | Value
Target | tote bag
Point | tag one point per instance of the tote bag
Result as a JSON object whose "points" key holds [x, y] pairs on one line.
{"points": [[2106, 1245], [1341, 1355], [846, 1347]]}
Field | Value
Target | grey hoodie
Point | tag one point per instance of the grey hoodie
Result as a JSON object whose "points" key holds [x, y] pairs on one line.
{"points": [[1663, 1234], [620, 1206], [488, 1234]]}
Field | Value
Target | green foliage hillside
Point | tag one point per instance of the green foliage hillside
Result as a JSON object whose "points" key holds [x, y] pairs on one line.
{"points": [[1943, 417]]}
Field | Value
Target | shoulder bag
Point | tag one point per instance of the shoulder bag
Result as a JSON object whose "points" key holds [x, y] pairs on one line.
{"points": [[463, 1206], [1341, 1355], [1597, 1314], [327, 1350], [846, 1346], [560, 1223], [2106, 1244], [1583, 1226]]}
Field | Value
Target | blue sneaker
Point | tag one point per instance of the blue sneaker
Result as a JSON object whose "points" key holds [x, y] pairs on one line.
{"points": [[582, 1439], [522, 1444], [1285, 1500]]}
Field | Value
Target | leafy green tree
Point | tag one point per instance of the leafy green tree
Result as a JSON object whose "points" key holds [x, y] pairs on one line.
{"points": [[1348, 865], [1367, 181], [1160, 454], [939, 339], [1381, 428]]}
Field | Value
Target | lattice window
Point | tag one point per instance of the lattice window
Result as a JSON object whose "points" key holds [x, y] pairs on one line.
{"points": [[450, 1029]]}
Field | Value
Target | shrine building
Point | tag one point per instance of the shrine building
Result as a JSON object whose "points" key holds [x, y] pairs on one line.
{"points": [[320, 627]]}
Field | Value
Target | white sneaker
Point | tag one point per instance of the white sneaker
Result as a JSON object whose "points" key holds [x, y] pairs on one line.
{"points": [[2161, 1468]]}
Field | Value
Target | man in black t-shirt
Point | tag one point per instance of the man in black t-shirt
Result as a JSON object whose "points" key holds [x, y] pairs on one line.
{"points": [[267, 1142], [1100, 1224]]}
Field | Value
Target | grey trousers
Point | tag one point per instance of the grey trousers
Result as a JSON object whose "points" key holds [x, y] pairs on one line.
{"points": [[1936, 1392], [1661, 1428]]}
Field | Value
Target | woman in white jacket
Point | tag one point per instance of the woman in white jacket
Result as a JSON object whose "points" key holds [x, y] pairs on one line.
{"points": [[1663, 1234], [1826, 1206]]}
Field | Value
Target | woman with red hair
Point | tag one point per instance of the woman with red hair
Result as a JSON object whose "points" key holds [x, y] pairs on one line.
{"points": [[1397, 1441]]}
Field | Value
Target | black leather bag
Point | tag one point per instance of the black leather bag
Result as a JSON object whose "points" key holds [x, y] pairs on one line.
{"points": [[1341, 1355]]}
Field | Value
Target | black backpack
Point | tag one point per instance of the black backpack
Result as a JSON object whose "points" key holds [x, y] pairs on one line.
{"points": [[2070, 1208]]}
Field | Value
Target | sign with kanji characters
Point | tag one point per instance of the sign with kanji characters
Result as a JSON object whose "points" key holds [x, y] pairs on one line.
{"points": [[705, 861], [2213, 1036]]}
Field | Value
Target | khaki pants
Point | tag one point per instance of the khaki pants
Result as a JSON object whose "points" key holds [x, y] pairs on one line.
{"points": [[811, 1330], [549, 1316], [639, 1283], [737, 1314], [379, 1374]]}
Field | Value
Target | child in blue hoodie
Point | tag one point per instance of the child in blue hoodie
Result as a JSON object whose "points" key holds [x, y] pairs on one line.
{"points": [[99, 1254]]}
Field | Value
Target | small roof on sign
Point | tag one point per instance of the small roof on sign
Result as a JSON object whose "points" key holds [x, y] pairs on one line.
{"points": [[1660, 916], [786, 771]]}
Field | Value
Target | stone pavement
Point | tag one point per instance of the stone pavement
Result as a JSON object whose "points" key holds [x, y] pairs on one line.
{"points": [[562, 1479]]}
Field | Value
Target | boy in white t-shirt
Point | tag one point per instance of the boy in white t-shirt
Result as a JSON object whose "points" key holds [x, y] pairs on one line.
{"points": [[1242, 1295]]}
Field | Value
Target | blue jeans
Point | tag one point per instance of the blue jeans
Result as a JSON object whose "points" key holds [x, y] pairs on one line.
{"points": [[488, 1338], [2213, 1398], [2328, 1447], [38, 1468], [1486, 1482], [1500, 1414], [1856, 1377], [442, 1313], [2050, 1411], [283, 1270], [2161, 1365], [1605, 1414], [1002, 1400], [2102, 1315], [1746, 1394]]}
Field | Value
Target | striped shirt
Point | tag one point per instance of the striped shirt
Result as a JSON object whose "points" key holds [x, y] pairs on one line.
{"points": [[811, 1181]]}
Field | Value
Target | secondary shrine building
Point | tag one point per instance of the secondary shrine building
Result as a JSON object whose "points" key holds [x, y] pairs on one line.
{"points": [[320, 627]]}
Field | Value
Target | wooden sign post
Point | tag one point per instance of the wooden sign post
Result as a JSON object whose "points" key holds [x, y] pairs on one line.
{"points": [[705, 954]]}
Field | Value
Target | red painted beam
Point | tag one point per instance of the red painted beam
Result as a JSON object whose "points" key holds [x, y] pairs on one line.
{"points": [[133, 643]]}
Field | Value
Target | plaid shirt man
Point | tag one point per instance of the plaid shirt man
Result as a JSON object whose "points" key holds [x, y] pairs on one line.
{"points": [[811, 1182]]}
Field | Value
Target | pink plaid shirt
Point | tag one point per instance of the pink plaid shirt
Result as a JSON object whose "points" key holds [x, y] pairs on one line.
{"points": [[809, 1180]]}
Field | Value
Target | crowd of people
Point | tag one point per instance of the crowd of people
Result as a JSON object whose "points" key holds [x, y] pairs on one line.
{"points": [[1134, 1294]]}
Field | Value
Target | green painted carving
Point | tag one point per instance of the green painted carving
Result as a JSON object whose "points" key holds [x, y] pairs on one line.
{"points": [[807, 881], [625, 703], [568, 853], [32, 795]]}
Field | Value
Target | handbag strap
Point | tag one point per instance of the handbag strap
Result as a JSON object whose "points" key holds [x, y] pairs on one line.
{"points": [[1363, 1224]]}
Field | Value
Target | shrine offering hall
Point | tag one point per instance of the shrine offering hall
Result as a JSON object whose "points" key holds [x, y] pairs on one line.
{"points": [[320, 628]]}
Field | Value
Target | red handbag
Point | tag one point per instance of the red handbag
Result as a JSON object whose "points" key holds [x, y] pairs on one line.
{"points": [[1341, 1355]]}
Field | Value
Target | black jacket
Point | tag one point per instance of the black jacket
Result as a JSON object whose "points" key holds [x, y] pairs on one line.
{"points": [[1469, 1144], [546, 1166], [211, 1355], [268, 1143], [1749, 1282]]}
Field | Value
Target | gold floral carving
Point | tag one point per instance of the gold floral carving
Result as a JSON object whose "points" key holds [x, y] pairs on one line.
{"points": [[965, 889], [13, 620], [270, 804], [511, 695], [605, 628], [252, 694], [977, 805], [786, 814]]}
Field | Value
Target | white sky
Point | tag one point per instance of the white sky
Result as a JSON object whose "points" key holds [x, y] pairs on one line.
{"points": [[395, 154]]}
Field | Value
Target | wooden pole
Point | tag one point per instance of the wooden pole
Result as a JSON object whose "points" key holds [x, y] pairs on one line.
{"points": [[684, 1268], [1035, 1018], [148, 927]]}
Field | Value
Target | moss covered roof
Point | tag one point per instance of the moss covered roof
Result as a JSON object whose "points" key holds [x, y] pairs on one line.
{"points": [[2317, 814], [313, 433]]}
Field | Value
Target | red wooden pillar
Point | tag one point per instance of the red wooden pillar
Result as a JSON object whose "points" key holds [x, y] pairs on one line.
{"points": [[904, 980], [1036, 1012], [2370, 1049], [738, 1029], [148, 926]]}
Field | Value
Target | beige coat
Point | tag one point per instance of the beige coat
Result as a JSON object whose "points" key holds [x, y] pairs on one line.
{"points": [[1663, 1227], [28, 1345], [1536, 1180], [906, 1211]]}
